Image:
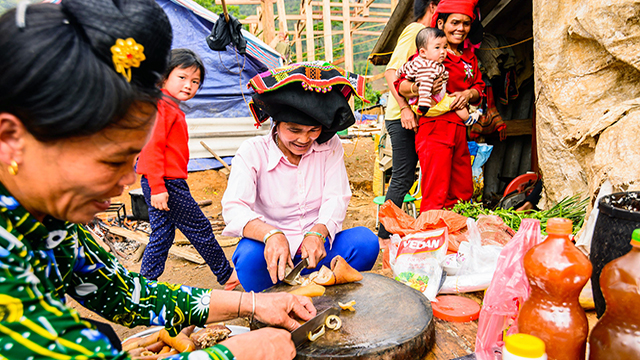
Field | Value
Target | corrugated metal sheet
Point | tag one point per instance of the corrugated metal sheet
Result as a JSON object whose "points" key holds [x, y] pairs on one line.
{"points": [[223, 135]]}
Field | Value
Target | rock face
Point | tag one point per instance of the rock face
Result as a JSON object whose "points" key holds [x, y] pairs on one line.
{"points": [[587, 62]]}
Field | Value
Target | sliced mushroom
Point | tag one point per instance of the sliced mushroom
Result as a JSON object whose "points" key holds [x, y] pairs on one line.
{"points": [[316, 336], [333, 322]]}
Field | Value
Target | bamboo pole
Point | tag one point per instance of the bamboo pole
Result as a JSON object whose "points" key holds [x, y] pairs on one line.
{"points": [[328, 43], [348, 50], [311, 51], [282, 16], [268, 23], [298, 41]]}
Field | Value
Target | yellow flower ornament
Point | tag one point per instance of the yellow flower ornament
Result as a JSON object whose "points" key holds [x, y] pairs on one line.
{"points": [[127, 54]]}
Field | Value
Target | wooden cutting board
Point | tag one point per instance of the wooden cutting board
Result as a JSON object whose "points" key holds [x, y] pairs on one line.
{"points": [[391, 321]]}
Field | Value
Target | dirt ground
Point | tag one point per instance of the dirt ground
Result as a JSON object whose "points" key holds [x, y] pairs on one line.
{"points": [[210, 185]]}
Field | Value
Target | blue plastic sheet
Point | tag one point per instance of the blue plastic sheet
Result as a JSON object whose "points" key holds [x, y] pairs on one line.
{"points": [[207, 164], [224, 92]]}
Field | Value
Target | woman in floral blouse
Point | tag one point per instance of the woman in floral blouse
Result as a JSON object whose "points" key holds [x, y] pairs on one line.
{"points": [[77, 104]]}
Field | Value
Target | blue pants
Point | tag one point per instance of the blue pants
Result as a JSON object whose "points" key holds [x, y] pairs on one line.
{"points": [[358, 246], [184, 214]]}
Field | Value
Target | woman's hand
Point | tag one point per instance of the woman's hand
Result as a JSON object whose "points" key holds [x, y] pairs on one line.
{"points": [[313, 249], [264, 344], [277, 255], [437, 85], [281, 309], [408, 118], [160, 201], [462, 99]]}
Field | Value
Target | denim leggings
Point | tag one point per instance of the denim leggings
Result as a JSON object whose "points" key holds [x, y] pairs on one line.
{"points": [[358, 246], [184, 214], [404, 161]]}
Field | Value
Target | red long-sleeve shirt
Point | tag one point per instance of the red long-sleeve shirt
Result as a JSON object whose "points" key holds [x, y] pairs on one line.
{"points": [[167, 154]]}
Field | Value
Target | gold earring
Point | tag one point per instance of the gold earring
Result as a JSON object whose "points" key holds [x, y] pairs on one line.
{"points": [[13, 168]]}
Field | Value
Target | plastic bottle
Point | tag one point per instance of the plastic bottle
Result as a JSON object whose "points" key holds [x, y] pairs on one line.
{"points": [[557, 272], [617, 333], [523, 347]]}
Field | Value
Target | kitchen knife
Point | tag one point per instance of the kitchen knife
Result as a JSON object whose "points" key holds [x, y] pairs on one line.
{"points": [[293, 274], [301, 334]]}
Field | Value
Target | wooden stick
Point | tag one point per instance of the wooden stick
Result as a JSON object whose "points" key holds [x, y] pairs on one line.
{"points": [[224, 10], [215, 155]]}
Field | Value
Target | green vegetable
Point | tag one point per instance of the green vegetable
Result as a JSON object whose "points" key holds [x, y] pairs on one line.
{"points": [[571, 208]]}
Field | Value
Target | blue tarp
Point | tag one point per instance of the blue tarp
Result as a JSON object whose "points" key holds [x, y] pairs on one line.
{"points": [[227, 73], [206, 164]]}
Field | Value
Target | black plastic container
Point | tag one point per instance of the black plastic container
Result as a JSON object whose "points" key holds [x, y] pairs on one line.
{"points": [[617, 219], [139, 207]]}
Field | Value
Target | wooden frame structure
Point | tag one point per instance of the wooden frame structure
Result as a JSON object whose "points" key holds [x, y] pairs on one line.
{"points": [[353, 15]]}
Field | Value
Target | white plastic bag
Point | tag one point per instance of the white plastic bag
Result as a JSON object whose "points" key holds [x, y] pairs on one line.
{"points": [[477, 264]]}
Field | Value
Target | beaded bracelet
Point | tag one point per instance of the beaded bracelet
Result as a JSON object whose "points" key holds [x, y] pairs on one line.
{"points": [[315, 233], [270, 234]]}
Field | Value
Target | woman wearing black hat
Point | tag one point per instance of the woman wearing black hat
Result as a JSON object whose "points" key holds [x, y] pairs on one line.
{"points": [[78, 95], [288, 191]]}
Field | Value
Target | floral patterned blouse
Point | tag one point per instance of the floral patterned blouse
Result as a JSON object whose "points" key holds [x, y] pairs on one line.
{"points": [[40, 262]]}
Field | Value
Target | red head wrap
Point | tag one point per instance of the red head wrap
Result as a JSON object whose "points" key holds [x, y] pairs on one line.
{"points": [[465, 7]]}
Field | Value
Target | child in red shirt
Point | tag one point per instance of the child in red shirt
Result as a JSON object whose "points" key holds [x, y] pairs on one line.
{"points": [[163, 164]]}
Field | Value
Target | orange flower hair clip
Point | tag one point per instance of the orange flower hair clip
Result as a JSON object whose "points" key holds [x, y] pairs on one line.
{"points": [[127, 54]]}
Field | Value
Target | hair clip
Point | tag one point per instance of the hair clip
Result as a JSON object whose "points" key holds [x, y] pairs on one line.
{"points": [[21, 14], [127, 54]]}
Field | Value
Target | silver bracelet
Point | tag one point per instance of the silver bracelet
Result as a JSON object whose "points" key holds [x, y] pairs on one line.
{"points": [[253, 308], [270, 234]]}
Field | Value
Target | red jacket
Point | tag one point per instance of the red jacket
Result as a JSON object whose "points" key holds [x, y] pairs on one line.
{"points": [[167, 154]]}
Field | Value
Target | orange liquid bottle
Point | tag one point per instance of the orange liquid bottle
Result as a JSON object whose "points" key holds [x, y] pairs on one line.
{"points": [[557, 272], [617, 333]]}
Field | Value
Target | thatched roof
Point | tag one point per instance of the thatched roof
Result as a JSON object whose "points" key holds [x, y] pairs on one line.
{"points": [[512, 18]]}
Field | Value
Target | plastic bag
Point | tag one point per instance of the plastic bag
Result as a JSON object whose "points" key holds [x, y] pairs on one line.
{"points": [[508, 290], [398, 222], [493, 231], [415, 260], [477, 264]]}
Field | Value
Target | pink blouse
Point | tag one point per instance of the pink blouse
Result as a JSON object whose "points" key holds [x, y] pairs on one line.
{"points": [[264, 185]]}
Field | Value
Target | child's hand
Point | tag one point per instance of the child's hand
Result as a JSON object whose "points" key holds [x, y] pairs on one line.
{"points": [[160, 201]]}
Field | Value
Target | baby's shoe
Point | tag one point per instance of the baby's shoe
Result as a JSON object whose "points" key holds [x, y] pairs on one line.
{"points": [[473, 117]]}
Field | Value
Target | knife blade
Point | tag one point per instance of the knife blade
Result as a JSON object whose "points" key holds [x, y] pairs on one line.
{"points": [[301, 334], [293, 274]]}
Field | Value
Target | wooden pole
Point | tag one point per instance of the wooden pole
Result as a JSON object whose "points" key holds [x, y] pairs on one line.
{"points": [[282, 16], [348, 44], [260, 28], [268, 23], [328, 42], [224, 10], [298, 44], [215, 155], [311, 51]]}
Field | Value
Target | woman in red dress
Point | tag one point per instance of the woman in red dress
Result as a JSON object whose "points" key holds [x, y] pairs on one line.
{"points": [[441, 141]]}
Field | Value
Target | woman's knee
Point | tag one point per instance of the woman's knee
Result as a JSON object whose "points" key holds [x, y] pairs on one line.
{"points": [[365, 245], [249, 255]]}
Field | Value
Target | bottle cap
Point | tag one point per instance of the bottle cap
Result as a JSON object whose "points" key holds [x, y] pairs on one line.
{"points": [[559, 226], [635, 237], [524, 345]]}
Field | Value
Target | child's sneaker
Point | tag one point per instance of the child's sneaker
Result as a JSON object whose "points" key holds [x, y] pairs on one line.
{"points": [[473, 117]]}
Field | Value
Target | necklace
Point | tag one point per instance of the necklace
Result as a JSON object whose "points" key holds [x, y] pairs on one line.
{"points": [[455, 52]]}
